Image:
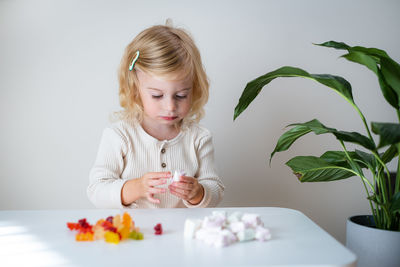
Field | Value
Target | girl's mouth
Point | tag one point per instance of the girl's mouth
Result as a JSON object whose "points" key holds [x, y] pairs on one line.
{"points": [[169, 118]]}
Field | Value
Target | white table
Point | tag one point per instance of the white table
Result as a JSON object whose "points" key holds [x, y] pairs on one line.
{"points": [[41, 238]]}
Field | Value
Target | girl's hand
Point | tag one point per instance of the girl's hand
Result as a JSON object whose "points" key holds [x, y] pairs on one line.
{"points": [[144, 187], [188, 188], [148, 183]]}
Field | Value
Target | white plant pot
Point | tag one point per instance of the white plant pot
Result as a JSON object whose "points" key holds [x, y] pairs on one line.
{"points": [[373, 247]]}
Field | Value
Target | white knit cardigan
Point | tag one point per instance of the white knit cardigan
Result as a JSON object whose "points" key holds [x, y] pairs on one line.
{"points": [[128, 152]]}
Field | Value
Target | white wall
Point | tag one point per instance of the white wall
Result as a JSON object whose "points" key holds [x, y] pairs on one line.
{"points": [[58, 85]]}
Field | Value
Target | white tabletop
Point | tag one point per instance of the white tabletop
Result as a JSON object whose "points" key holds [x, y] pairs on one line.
{"points": [[41, 238]]}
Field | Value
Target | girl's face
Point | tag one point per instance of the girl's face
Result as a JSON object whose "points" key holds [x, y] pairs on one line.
{"points": [[164, 101]]}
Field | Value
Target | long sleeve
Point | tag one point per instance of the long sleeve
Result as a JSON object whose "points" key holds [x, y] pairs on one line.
{"points": [[207, 175], [127, 152], [105, 182]]}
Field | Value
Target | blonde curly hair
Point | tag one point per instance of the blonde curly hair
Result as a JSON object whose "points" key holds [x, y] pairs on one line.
{"points": [[165, 51]]}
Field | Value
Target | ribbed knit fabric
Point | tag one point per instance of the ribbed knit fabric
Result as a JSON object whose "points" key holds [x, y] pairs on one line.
{"points": [[128, 152]]}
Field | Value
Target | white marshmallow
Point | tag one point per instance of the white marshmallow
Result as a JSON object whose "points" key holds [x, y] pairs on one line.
{"points": [[221, 213], [262, 234], [237, 227], [191, 226], [235, 217], [209, 236], [252, 219], [225, 238], [246, 235], [213, 222], [219, 230], [177, 176]]}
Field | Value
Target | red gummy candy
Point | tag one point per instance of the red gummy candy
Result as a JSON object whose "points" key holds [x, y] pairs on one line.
{"points": [[110, 219], [158, 229], [106, 224], [83, 223], [111, 229], [72, 226]]}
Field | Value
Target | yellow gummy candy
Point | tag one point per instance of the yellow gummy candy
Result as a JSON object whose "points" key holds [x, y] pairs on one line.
{"points": [[111, 237], [124, 231]]}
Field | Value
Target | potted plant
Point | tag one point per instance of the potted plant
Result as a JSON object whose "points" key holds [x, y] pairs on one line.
{"points": [[382, 191]]}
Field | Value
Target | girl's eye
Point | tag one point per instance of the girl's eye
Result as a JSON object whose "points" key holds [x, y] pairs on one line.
{"points": [[181, 96], [156, 96]]}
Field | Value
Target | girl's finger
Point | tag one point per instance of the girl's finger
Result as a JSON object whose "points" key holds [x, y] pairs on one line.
{"points": [[158, 175], [152, 199], [179, 190], [175, 193], [154, 182], [187, 179], [154, 190], [182, 185]]}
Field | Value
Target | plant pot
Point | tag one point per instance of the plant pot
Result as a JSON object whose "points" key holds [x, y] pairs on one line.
{"points": [[373, 247]]}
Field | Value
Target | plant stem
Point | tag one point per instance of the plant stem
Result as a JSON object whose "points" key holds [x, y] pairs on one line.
{"points": [[365, 123], [382, 180], [363, 179], [397, 185]]}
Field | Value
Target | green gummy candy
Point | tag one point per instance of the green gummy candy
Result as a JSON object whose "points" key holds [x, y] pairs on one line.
{"points": [[136, 235]]}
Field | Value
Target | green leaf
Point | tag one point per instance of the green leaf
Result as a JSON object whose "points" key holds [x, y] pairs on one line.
{"points": [[314, 169], [253, 88], [395, 207], [388, 93], [288, 138], [337, 158], [389, 154], [391, 71], [375, 52], [336, 45], [354, 137], [363, 59], [389, 133], [367, 159], [388, 74], [300, 129]]}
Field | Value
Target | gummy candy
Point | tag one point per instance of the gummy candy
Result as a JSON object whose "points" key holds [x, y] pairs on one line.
{"points": [[127, 220], [84, 236], [73, 226], [113, 229], [117, 222], [111, 237], [136, 235], [109, 219], [158, 229]]}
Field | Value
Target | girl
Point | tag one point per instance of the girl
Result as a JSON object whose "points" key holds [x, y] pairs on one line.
{"points": [[162, 88]]}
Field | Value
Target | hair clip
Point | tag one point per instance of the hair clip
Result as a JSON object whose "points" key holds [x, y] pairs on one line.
{"points": [[134, 61]]}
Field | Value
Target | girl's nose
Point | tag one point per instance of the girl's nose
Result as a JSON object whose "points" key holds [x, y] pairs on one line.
{"points": [[170, 104]]}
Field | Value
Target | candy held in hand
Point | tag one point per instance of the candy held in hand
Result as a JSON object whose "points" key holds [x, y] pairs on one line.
{"points": [[220, 230], [177, 176], [158, 229], [113, 229]]}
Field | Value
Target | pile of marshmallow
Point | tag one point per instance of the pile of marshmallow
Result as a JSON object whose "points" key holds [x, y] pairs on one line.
{"points": [[220, 230]]}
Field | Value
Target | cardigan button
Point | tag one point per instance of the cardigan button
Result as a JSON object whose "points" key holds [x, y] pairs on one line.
{"points": [[163, 150], [163, 165]]}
